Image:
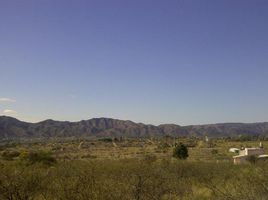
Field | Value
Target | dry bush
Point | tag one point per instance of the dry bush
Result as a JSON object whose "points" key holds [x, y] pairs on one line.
{"points": [[148, 178]]}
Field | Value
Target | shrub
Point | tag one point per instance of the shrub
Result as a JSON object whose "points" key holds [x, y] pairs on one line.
{"points": [[214, 151], [24, 154], [37, 157], [10, 155], [180, 151], [20, 182]]}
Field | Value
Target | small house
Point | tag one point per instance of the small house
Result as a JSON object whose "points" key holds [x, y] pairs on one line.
{"points": [[246, 153]]}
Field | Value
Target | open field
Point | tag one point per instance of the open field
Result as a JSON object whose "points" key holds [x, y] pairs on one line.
{"points": [[128, 169], [133, 100], [87, 149]]}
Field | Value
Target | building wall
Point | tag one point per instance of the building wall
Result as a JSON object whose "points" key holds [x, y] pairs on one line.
{"points": [[257, 151], [240, 160], [246, 153], [242, 152]]}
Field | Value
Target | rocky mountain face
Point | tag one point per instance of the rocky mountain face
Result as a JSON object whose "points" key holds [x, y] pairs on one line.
{"points": [[106, 127], [229, 129]]}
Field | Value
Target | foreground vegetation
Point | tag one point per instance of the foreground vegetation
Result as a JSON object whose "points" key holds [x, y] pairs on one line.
{"points": [[130, 169], [132, 179]]}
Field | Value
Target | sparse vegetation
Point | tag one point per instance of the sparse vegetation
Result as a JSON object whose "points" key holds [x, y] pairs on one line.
{"points": [[132, 179], [10, 155], [132, 169]]}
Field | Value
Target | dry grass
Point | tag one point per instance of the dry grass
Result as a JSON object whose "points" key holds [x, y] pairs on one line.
{"points": [[216, 151]]}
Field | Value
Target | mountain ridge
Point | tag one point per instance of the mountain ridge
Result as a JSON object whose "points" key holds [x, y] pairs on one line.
{"points": [[108, 127]]}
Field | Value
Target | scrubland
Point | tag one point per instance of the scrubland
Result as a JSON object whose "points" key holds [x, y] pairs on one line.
{"points": [[140, 169]]}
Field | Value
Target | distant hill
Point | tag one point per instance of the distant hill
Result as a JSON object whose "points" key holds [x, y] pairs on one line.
{"points": [[106, 127]]}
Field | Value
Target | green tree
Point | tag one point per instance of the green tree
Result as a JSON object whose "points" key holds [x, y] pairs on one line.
{"points": [[180, 151]]}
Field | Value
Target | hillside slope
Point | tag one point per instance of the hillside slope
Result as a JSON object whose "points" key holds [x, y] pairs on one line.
{"points": [[106, 127]]}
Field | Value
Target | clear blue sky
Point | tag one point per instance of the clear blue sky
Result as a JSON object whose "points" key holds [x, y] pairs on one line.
{"points": [[151, 61]]}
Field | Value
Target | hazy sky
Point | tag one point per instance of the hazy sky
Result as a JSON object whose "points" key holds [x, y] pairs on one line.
{"points": [[151, 61]]}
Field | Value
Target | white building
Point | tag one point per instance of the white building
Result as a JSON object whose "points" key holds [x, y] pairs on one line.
{"points": [[247, 152]]}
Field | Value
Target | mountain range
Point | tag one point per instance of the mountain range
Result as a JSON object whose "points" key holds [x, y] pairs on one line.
{"points": [[12, 128]]}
